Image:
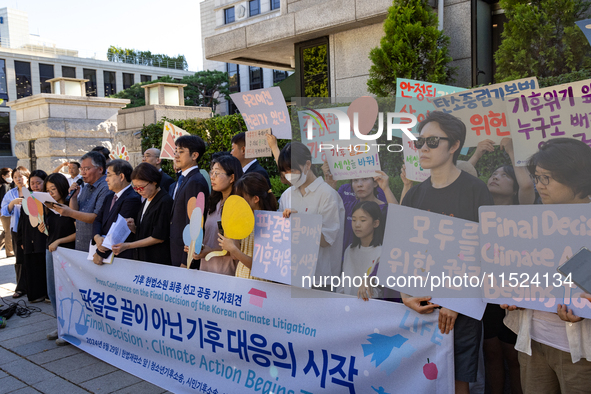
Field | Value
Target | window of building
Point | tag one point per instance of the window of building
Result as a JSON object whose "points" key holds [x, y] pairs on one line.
{"points": [[3, 86], [145, 78], [254, 7], [233, 77], [5, 145], [45, 73], [91, 83], [313, 68], [256, 77], [229, 15], [68, 72], [127, 80], [22, 71], [110, 83], [275, 4], [279, 76]]}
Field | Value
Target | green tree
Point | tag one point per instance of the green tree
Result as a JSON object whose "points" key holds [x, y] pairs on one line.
{"points": [[146, 58], [541, 39], [205, 88], [412, 48], [136, 93]]}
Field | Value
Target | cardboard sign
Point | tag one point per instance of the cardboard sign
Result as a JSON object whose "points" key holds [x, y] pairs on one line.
{"points": [[543, 114], [353, 159], [521, 248], [119, 152], [256, 144], [169, 136], [483, 109], [264, 108], [421, 250], [325, 128]]}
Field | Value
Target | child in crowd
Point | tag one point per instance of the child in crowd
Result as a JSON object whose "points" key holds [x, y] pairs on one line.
{"points": [[362, 256], [253, 187]]}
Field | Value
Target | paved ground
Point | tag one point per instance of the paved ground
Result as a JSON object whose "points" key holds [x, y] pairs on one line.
{"points": [[30, 363]]}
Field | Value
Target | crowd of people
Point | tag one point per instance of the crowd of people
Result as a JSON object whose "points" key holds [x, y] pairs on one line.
{"points": [[543, 352]]}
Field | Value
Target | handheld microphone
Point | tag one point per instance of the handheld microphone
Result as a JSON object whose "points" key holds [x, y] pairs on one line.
{"points": [[80, 182]]}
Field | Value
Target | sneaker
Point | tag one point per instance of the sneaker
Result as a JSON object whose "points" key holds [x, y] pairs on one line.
{"points": [[61, 342], [52, 335]]}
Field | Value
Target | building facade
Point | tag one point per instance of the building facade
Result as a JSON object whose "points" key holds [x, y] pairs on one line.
{"points": [[26, 63]]}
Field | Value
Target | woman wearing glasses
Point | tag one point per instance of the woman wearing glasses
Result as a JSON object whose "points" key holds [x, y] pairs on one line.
{"points": [[152, 224]]}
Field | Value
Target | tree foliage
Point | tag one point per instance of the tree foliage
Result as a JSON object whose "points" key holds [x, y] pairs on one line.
{"points": [[316, 71], [412, 47], [146, 58], [541, 39], [205, 88]]}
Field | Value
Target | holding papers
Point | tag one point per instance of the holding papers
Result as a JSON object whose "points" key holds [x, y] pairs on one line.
{"points": [[117, 234]]}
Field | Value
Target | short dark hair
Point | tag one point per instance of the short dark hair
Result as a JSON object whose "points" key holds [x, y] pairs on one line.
{"points": [[293, 154], [239, 139], [220, 154], [102, 150], [568, 160], [453, 128], [97, 159], [193, 143], [75, 163], [60, 182], [39, 174], [147, 172], [121, 167]]}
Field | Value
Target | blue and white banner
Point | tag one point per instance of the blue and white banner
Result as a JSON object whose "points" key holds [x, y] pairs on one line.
{"points": [[192, 331]]}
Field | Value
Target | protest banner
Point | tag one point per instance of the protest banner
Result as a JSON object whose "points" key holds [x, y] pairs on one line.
{"points": [[285, 249], [522, 246], [540, 115], [352, 159], [264, 108], [325, 128], [191, 331], [256, 144], [483, 109], [429, 254], [415, 97], [169, 136]]}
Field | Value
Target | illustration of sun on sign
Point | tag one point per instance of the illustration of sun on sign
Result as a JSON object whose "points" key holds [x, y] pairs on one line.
{"points": [[120, 152]]}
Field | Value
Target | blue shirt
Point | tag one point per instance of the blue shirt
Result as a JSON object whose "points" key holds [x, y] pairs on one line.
{"points": [[16, 212], [90, 200]]}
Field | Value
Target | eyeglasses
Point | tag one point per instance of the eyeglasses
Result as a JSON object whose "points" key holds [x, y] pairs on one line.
{"points": [[432, 142], [85, 169], [215, 174], [139, 189], [543, 179]]}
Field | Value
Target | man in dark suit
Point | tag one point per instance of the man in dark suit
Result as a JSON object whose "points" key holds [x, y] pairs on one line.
{"points": [[189, 148], [122, 200], [152, 156], [248, 165]]}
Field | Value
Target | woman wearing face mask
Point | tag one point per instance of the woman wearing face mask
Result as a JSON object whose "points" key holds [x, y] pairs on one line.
{"points": [[309, 194], [11, 208], [5, 236]]}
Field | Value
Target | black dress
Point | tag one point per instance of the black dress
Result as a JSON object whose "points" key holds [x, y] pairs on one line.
{"points": [[34, 243], [156, 224]]}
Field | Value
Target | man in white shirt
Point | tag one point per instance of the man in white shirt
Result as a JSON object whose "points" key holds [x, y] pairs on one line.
{"points": [[73, 171]]}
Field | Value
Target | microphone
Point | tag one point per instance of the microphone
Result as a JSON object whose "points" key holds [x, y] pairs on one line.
{"points": [[79, 182]]}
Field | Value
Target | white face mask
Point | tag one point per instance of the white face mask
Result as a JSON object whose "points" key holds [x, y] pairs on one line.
{"points": [[292, 178], [8, 180], [297, 180]]}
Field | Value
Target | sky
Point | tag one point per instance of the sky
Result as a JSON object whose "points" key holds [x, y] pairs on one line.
{"points": [[170, 27]]}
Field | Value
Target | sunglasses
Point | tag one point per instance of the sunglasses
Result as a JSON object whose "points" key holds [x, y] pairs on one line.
{"points": [[432, 142]]}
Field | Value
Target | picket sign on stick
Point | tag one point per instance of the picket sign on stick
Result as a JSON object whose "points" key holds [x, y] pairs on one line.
{"points": [[169, 136], [256, 144]]}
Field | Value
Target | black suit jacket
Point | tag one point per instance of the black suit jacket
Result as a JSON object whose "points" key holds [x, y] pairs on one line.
{"points": [[166, 181], [127, 206], [256, 167], [192, 185]]}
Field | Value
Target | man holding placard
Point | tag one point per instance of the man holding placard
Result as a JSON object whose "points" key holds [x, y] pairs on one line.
{"points": [[451, 192]]}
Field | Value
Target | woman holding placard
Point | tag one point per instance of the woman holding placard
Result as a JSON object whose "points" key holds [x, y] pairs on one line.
{"points": [[152, 224], [555, 348]]}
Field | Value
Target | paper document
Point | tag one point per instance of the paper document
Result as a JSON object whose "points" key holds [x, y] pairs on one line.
{"points": [[117, 234], [92, 251], [45, 197]]}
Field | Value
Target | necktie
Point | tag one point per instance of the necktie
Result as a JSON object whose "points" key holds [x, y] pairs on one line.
{"points": [[178, 185], [113, 202]]}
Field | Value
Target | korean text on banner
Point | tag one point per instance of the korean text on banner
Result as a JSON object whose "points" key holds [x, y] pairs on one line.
{"points": [[325, 128], [540, 115], [429, 254], [483, 109], [352, 159], [264, 108], [256, 144], [190, 331], [522, 246], [169, 136]]}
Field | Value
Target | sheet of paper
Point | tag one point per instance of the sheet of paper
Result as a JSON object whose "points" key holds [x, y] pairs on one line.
{"points": [[45, 197], [117, 234], [92, 251]]}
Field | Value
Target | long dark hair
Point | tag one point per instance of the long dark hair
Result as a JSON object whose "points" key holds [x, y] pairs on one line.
{"points": [[509, 170], [3, 172], [231, 166], [60, 182], [39, 174], [373, 209], [254, 184]]}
